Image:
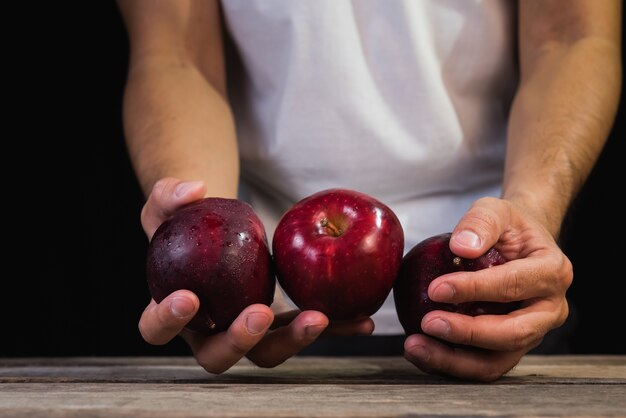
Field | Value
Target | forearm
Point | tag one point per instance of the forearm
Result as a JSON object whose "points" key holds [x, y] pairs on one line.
{"points": [[178, 124], [559, 121]]}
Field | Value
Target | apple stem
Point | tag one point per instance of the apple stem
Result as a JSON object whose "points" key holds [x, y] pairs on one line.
{"points": [[211, 323], [330, 226], [456, 261]]}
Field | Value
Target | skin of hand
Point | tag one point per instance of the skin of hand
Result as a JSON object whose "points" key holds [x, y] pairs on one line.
{"points": [[263, 336], [538, 274], [561, 116]]}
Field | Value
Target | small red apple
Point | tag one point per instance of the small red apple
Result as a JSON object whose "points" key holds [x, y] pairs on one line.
{"points": [[425, 262], [217, 249], [338, 252]]}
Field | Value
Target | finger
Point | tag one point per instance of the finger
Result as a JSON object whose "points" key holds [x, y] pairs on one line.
{"points": [[219, 352], [168, 194], [435, 357], [523, 329], [480, 228], [513, 281], [286, 341], [363, 326], [160, 322]]}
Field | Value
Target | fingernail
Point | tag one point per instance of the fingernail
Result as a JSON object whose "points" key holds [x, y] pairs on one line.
{"points": [[467, 239], [182, 307], [257, 322], [313, 331], [420, 353], [437, 328], [443, 293], [185, 186]]}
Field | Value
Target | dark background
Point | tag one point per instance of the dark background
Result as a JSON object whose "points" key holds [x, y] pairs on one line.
{"points": [[74, 276]]}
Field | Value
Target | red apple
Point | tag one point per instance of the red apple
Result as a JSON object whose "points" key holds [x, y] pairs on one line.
{"points": [[338, 252], [425, 262], [217, 249]]}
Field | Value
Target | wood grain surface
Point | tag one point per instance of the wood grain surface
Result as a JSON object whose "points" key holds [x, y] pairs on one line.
{"points": [[569, 386]]}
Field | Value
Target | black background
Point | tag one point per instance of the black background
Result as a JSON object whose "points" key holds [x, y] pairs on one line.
{"points": [[74, 279]]}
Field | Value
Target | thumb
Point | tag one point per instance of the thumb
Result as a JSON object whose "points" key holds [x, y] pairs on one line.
{"points": [[480, 228], [168, 195], [161, 322]]}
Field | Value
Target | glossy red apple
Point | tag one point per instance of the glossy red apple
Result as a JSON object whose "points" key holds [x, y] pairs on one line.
{"points": [[425, 262], [216, 248], [338, 252]]}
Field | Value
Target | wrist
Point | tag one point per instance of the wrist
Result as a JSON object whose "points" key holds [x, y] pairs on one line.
{"points": [[543, 211]]}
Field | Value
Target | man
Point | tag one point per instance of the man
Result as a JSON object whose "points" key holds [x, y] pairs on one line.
{"points": [[416, 103]]}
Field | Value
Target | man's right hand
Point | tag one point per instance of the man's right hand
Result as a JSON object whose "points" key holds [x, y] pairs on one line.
{"points": [[257, 333]]}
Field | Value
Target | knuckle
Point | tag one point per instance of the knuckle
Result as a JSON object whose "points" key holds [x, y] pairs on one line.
{"points": [[488, 201], [524, 337], [147, 335], [438, 366], [160, 185], [144, 333], [562, 271], [265, 363], [473, 288], [567, 272], [519, 338], [211, 367], [470, 337], [166, 321], [162, 189], [488, 210], [469, 289], [297, 337], [535, 344], [563, 315], [146, 328], [237, 347], [491, 375], [501, 367], [494, 200], [513, 286], [482, 220], [145, 213]]}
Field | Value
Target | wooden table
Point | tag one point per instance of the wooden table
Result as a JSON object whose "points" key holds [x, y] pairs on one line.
{"points": [[306, 386]]}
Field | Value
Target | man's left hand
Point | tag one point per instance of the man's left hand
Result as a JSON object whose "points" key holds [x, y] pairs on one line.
{"points": [[536, 273]]}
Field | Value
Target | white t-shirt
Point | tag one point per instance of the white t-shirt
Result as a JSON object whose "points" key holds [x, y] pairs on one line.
{"points": [[404, 100]]}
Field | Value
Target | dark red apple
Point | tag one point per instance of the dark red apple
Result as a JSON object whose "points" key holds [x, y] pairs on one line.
{"points": [[217, 249], [338, 252], [425, 262]]}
